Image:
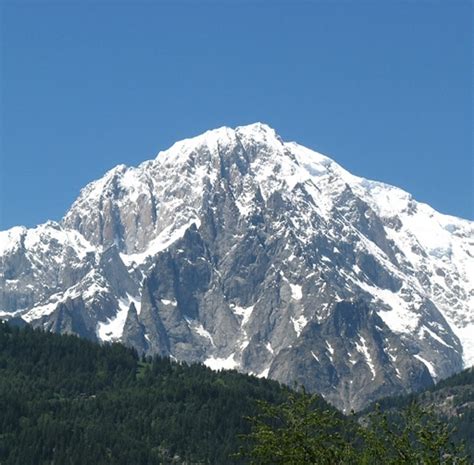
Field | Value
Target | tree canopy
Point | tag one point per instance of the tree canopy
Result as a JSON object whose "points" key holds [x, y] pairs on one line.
{"points": [[65, 400], [298, 432]]}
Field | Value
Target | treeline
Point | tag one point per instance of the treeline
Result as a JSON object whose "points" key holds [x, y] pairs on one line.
{"points": [[297, 432], [65, 400]]}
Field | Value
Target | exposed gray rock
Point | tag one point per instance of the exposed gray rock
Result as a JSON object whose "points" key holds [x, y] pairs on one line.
{"points": [[351, 358]]}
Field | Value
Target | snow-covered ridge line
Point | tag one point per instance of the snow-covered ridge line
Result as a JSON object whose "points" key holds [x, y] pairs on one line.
{"points": [[39, 236]]}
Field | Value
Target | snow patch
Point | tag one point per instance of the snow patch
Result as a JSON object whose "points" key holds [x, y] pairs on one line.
{"points": [[299, 324], [331, 351], [45, 309], [428, 365], [400, 319], [243, 312], [112, 329], [199, 329], [296, 291], [216, 363], [364, 350], [40, 310], [424, 330], [167, 237], [466, 336]]}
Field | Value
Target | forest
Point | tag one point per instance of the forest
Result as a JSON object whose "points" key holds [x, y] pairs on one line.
{"points": [[66, 400]]}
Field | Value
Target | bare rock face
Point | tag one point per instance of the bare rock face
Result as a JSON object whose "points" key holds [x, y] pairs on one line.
{"points": [[239, 250], [356, 363]]}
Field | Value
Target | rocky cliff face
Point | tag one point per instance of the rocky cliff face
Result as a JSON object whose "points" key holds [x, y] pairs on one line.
{"points": [[242, 251]]}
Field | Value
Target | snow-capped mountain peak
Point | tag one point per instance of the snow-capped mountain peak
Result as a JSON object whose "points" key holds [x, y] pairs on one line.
{"points": [[238, 249]]}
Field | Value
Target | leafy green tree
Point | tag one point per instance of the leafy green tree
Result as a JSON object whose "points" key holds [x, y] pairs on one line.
{"points": [[414, 436], [297, 432]]}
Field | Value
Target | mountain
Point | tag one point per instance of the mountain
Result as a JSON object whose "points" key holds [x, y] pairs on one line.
{"points": [[240, 250]]}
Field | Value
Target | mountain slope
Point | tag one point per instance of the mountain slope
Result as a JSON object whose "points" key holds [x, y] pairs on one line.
{"points": [[239, 250], [68, 400]]}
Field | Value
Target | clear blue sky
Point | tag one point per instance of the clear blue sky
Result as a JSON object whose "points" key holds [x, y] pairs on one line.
{"points": [[383, 87]]}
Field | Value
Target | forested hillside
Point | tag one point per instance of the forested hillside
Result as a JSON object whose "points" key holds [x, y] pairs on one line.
{"points": [[65, 400], [452, 399]]}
